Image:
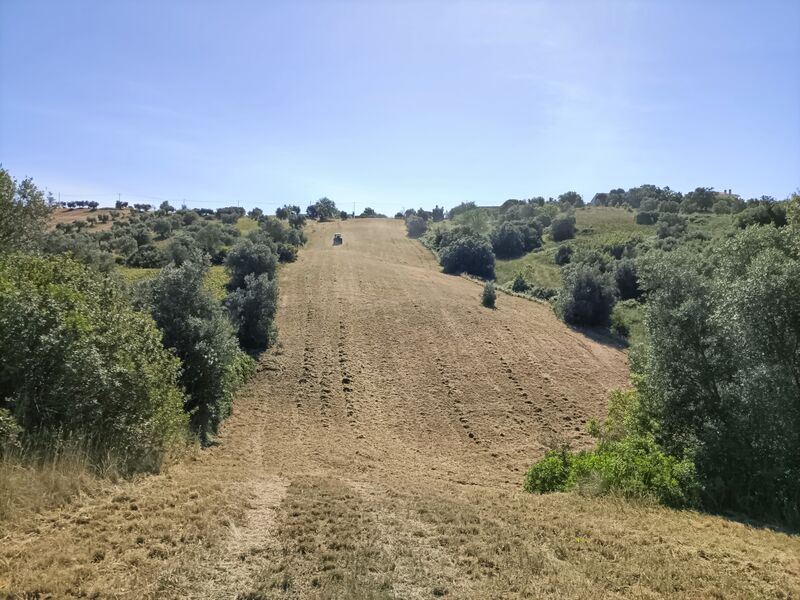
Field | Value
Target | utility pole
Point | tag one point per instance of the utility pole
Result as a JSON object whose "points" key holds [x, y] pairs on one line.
{"points": [[354, 209], [119, 198]]}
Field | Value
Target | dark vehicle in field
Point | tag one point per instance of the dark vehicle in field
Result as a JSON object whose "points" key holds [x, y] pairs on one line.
{"points": [[337, 239]]}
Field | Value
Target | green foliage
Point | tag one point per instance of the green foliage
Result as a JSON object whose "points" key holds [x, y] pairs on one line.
{"points": [[147, 257], [763, 213], [550, 474], [646, 217], [24, 211], [467, 252], [196, 329], [627, 279], [489, 296], [563, 255], [721, 375], [587, 296], [671, 225], [78, 360], [562, 228], [286, 252], [626, 461], [246, 258], [519, 284], [252, 309]]}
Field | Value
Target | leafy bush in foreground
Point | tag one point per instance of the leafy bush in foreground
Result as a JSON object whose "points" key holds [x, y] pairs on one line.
{"points": [[562, 228], [78, 360]]}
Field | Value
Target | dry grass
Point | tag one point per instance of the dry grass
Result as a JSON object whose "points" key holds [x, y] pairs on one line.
{"points": [[70, 215], [30, 486]]}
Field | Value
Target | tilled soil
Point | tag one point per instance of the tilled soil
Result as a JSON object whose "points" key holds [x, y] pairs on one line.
{"points": [[380, 452]]}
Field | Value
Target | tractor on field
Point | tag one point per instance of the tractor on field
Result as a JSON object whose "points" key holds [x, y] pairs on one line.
{"points": [[337, 239]]}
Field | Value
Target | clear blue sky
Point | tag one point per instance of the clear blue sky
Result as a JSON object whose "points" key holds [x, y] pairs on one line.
{"points": [[398, 103]]}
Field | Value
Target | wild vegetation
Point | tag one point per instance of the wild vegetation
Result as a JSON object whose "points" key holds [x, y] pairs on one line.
{"points": [[126, 369]]}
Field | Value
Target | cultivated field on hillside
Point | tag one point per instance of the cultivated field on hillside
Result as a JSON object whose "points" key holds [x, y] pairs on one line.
{"points": [[379, 453]]}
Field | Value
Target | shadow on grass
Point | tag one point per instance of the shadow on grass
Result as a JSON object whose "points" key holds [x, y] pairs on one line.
{"points": [[601, 335]]}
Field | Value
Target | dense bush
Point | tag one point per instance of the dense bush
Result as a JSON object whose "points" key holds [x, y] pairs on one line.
{"points": [[646, 217], [563, 255], [468, 253], [671, 225], [246, 258], [147, 257], [415, 226], [252, 310], [587, 296], [763, 213], [77, 360], [627, 279], [489, 295], [508, 241], [519, 284], [562, 228], [196, 329]]}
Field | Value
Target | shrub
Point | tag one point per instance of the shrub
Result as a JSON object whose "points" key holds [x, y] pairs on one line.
{"points": [[563, 255], [489, 295], [246, 258], [671, 225], [550, 474], [183, 248], [286, 252], [587, 295], [519, 284], [626, 461], [468, 253], [508, 241], [647, 217], [415, 226], [627, 280], [147, 257], [252, 310], [618, 325], [79, 361], [562, 228], [196, 329]]}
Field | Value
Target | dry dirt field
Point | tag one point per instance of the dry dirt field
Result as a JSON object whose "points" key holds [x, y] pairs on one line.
{"points": [[379, 453], [70, 215]]}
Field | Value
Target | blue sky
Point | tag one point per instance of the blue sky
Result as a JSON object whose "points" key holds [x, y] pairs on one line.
{"points": [[398, 104]]}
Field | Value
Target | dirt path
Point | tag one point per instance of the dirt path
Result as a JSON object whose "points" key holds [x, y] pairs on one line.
{"points": [[379, 453]]}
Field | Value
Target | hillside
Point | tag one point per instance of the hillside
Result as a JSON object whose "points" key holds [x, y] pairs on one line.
{"points": [[379, 453]]}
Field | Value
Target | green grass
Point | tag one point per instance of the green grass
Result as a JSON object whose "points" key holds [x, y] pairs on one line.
{"points": [[134, 274], [631, 313], [538, 268], [246, 225], [216, 278], [595, 220]]}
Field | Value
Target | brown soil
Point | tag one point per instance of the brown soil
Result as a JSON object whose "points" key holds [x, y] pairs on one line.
{"points": [[380, 452]]}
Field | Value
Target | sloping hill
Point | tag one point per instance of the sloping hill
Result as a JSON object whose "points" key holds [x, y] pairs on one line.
{"points": [[380, 452]]}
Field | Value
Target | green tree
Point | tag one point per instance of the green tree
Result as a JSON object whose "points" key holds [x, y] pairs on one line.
{"points": [[24, 211], [248, 258], [587, 296]]}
